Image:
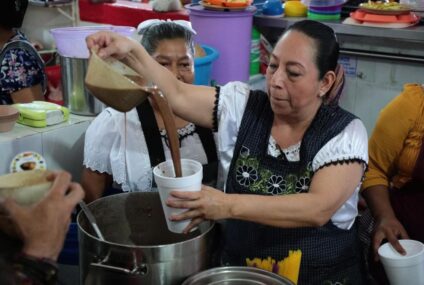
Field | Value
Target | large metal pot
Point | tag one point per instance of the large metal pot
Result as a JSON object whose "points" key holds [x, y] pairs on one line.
{"points": [[236, 275], [139, 249], [76, 97]]}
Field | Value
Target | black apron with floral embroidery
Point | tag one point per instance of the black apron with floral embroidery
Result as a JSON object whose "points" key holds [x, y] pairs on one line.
{"points": [[329, 254]]}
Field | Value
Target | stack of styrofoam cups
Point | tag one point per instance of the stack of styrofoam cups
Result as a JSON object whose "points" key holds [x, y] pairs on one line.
{"points": [[191, 180], [403, 269]]}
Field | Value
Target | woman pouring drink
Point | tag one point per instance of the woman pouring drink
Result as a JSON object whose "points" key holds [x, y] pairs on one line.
{"points": [[293, 160], [127, 155]]}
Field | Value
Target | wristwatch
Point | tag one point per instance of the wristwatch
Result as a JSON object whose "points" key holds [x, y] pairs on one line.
{"points": [[39, 270]]}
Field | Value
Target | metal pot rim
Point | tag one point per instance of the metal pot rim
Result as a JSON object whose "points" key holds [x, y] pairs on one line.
{"points": [[181, 243], [250, 272]]}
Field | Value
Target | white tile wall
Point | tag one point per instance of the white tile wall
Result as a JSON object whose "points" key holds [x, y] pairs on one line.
{"points": [[12, 146], [63, 148], [375, 84], [61, 145]]}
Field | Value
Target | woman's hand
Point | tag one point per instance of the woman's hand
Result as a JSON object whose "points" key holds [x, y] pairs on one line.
{"points": [[110, 44], [43, 226], [390, 229], [207, 204]]}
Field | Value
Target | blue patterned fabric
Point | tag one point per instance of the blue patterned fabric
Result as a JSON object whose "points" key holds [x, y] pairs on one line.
{"points": [[19, 68]]}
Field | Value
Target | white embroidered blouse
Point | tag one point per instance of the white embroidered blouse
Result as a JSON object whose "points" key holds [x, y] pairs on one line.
{"points": [[351, 143], [119, 149]]}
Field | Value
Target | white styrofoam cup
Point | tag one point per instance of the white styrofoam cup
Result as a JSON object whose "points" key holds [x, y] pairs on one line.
{"points": [[191, 180], [403, 269]]}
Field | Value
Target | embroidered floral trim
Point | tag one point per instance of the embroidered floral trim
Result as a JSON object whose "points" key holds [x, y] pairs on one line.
{"points": [[302, 185], [292, 153], [246, 175], [343, 161], [96, 166], [261, 180], [215, 109], [276, 185], [186, 131]]}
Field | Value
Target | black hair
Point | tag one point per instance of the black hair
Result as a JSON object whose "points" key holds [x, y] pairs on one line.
{"points": [[327, 47], [12, 13], [154, 34]]}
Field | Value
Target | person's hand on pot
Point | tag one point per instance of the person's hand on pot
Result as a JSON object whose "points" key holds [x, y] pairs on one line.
{"points": [[207, 204], [43, 226]]}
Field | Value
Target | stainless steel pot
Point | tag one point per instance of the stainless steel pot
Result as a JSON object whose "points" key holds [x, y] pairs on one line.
{"points": [[76, 96], [139, 249], [235, 275]]}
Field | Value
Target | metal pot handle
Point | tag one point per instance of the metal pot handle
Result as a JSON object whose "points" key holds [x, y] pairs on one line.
{"points": [[142, 269], [138, 269]]}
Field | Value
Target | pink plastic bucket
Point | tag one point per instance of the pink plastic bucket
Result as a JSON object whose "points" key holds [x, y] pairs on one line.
{"points": [[70, 41], [230, 33]]}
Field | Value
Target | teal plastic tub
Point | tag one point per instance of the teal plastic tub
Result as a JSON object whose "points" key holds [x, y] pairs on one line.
{"points": [[203, 66]]}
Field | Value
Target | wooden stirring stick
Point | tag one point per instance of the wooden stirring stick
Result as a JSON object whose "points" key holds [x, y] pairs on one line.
{"points": [[170, 128]]}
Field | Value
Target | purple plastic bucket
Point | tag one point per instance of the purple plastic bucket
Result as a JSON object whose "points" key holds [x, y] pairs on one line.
{"points": [[230, 33], [70, 41]]}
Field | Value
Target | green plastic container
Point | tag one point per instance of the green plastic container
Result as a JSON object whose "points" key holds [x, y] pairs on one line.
{"points": [[323, 17], [254, 52]]}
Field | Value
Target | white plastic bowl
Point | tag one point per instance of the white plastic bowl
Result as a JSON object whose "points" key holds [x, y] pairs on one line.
{"points": [[70, 41]]}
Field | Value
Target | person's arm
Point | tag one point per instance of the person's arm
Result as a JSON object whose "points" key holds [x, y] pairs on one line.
{"points": [[42, 228], [387, 225], [27, 95], [330, 188], [94, 183], [385, 147], [190, 102]]}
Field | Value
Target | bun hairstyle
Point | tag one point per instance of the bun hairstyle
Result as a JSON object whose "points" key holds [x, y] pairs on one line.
{"points": [[327, 54], [12, 13], [165, 30]]}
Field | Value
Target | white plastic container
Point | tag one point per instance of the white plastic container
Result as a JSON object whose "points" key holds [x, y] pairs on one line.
{"points": [[403, 269]]}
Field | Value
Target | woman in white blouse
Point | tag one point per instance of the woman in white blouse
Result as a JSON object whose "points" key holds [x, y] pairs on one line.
{"points": [[293, 159], [123, 148]]}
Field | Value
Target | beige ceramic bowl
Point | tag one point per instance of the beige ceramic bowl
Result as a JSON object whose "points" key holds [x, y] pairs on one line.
{"points": [[8, 117], [26, 187], [115, 84]]}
